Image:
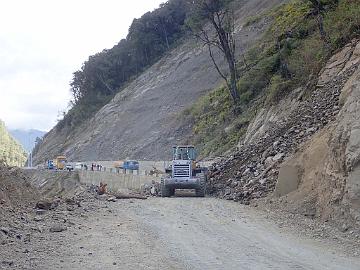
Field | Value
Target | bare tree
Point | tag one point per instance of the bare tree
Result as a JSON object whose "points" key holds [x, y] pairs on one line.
{"points": [[317, 7], [220, 35]]}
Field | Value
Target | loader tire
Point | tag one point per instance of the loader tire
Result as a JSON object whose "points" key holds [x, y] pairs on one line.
{"points": [[201, 190], [165, 191]]}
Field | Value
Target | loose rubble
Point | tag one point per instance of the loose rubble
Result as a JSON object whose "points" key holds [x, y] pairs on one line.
{"points": [[152, 189], [29, 221]]}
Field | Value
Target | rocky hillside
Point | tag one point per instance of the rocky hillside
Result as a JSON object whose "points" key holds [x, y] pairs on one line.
{"points": [[289, 57], [306, 148], [11, 152], [142, 120]]}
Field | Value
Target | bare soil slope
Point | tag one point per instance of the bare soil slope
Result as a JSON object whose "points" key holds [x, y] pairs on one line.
{"points": [[15, 190], [140, 122]]}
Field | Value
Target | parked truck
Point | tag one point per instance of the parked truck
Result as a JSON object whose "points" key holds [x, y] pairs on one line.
{"points": [[127, 165], [60, 162], [50, 164]]}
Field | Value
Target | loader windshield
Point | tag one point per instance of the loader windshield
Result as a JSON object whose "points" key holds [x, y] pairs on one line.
{"points": [[184, 153]]}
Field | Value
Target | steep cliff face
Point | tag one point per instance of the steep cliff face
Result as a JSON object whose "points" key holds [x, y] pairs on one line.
{"points": [[141, 121], [327, 166], [349, 133], [11, 152]]}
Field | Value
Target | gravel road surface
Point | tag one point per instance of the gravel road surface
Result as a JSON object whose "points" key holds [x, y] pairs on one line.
{"points": [[171, 233]]}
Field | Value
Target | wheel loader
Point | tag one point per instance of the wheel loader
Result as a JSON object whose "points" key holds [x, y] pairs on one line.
{"points": [[184, 173]]}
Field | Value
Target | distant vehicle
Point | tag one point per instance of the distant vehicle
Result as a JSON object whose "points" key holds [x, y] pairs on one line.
{"points": [[131, 165], [69, 167], [79, 166], [50, 165], [60, 162]]}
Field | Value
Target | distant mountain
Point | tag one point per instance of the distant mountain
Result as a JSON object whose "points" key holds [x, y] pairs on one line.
{"points": [[11, 152], [27, 137]]}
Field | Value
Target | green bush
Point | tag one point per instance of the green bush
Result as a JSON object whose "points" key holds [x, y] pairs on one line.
{"points": [[253, 19], [287, 17], [306, 59], [246, 97], [278, 88], [259, 76], [343, 23]]}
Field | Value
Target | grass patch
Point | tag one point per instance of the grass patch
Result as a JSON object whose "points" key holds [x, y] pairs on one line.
{"points": [[214, 128], [253, 20]]}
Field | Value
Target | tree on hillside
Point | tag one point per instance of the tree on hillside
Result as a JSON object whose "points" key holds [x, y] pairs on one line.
{"points": [[106, 73], [38, 142], [317, 8], [220, 35]]}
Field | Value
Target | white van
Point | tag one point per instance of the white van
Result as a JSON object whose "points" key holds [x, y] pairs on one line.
{"points": [[79, 166]]}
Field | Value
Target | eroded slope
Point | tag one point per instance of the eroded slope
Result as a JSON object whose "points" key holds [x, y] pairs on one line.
{"points": [[141, 121]]}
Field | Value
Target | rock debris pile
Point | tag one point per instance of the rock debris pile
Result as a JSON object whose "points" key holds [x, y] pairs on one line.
{"points": [[30, 220]]}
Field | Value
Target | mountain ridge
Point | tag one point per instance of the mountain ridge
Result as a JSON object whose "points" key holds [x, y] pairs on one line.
{"points": [[27, 137]]}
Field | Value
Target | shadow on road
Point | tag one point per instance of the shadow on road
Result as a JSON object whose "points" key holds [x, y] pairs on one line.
{"points": [[185, 193]]}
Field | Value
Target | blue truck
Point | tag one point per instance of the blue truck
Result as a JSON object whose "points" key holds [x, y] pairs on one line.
{"points": [[131, 165], [50, 165]]}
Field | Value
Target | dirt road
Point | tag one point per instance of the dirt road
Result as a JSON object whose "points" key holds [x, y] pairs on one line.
{"points": [[171, 233]]}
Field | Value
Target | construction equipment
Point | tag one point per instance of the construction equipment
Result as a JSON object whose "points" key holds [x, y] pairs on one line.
{"points": [[60, 162], [184, 173]]}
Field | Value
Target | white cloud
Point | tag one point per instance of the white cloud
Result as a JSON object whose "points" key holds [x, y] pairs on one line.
{"points": [[43, 42]]}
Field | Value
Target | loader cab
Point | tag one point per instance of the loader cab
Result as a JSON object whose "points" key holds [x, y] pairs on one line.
{"points": [[184, 153], [183, 162]]}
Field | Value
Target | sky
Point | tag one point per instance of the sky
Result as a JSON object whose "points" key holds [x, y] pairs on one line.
{"points": [[42, 42]]}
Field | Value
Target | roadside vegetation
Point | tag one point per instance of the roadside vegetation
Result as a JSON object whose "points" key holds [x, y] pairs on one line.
{"points": [[219, 15], [149, 38], [11, 152], [290, 54], [106, 73]]}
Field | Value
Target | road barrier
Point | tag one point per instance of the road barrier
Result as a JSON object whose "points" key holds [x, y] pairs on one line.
{"points": [[116, 181]]}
